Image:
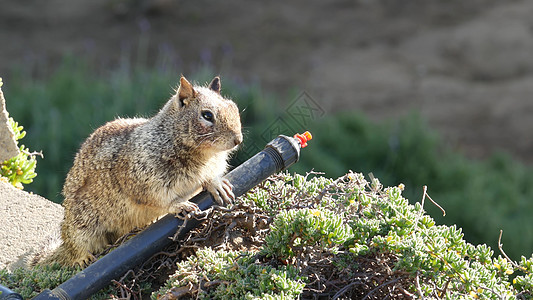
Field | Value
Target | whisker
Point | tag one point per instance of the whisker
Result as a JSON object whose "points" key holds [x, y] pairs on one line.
{"points": [[205, 134]]}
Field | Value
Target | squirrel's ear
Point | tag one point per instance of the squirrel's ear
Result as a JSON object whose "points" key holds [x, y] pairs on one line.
{"points": [[185, 91], [215, 84]]}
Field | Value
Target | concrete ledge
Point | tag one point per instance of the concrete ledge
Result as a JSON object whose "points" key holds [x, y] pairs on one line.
{"points": [[27, 223], [8, 146]]}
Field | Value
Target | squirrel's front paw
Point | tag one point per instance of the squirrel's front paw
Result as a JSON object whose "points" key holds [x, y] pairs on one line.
{"points": [[221, 189], [186, 206]]}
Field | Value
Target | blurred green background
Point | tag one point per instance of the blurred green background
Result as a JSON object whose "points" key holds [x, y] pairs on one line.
{"points": [[434, 93], [481, 196]]}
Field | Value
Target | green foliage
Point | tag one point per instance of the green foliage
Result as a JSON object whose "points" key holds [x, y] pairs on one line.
{"points": [[334, 226], [19, 169], [294, 231], [345, 223], [274, 196], [29, 282], [233, 275], [383, 221]]}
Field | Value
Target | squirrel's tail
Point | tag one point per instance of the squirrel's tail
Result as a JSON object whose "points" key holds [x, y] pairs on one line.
{"points": [[48, 253], [59, 252]]}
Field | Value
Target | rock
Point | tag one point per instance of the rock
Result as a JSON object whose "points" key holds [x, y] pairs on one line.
{"points": [[28, 222], [8, 145]]}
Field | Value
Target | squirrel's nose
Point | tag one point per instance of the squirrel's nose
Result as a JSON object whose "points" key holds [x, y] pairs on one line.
{"points": [[238, 139]]}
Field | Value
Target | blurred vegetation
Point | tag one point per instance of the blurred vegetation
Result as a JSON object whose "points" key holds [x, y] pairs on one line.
{"points": [[482, 197]]}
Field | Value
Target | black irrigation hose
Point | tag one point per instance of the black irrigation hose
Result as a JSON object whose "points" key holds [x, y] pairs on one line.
{"points": [[278, 155]]}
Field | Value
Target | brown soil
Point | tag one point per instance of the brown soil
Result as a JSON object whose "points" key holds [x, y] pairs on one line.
{"points": [[466, 66]]}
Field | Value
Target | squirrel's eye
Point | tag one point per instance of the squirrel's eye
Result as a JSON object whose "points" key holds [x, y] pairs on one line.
{"points": [[207, 115]]}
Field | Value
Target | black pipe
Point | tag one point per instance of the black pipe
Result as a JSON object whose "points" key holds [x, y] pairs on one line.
{"points": [[7, 294], [278, 155]]}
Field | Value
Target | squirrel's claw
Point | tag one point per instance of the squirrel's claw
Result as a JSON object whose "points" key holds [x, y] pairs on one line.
{"points": [[228, 188], [186, 206], [221, 189]]}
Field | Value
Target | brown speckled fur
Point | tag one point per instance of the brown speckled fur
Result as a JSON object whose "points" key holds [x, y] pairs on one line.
{"points": [[131, 171]]}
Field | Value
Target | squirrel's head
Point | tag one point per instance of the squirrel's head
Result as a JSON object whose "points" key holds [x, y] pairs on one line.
{"points": [[213, 122]]}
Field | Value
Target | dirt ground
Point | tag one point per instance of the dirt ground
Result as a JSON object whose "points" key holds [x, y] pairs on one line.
{"points": [[466, 66]]}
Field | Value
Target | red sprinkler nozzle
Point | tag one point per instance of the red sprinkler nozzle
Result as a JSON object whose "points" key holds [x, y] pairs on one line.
{"points": [[304, 138]]}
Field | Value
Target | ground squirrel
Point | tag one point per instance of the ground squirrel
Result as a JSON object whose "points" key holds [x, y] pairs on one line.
{"points": [[131, 171]]}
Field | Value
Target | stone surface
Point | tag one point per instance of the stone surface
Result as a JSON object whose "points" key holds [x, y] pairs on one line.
{"points": [[27, 221], [8, 146]]}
